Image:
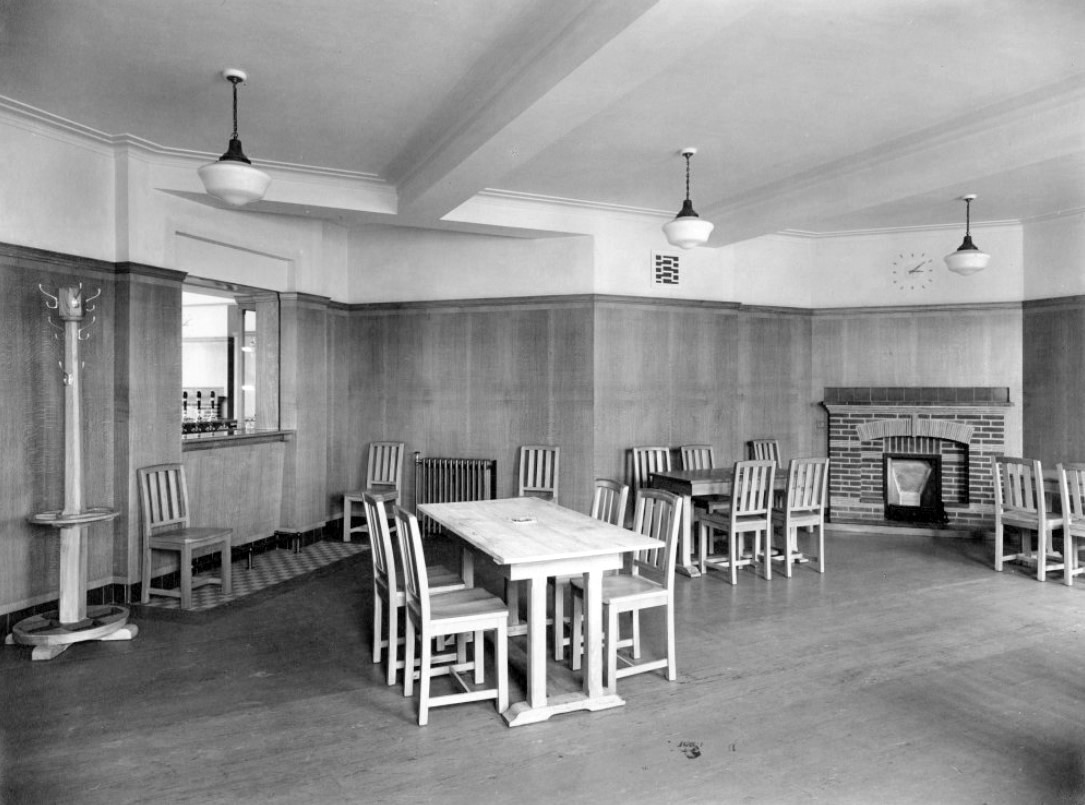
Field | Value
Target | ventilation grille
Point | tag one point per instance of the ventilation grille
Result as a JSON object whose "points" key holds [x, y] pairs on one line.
{"points": [[665, 268]]}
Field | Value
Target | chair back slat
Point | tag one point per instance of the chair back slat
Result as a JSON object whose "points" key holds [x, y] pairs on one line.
{"points": [[647, 460], [163, 494], [751, 489], [610, 501], [807, 483], [764, 450], [657, 515], [1072, 489], [380, 542], [385, 465], [539, 466], [415, 579], [1019, 485], [697, 456]]}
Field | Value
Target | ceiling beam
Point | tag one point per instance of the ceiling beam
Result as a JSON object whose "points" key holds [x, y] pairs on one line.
{"points": [[583, 66], [1029, 130]]}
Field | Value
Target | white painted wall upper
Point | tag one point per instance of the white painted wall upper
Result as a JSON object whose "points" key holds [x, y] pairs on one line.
{"points": [[1055, 254]]}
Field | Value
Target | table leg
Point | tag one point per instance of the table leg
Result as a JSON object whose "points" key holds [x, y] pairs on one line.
{"points": [[536, 642], [593, 634], [684, 564]]}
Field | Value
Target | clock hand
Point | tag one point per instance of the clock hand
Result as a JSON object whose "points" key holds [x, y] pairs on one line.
{"points": [[918, 268]]}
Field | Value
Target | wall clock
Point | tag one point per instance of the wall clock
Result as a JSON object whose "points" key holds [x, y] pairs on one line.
{"points": [[912, 271]]}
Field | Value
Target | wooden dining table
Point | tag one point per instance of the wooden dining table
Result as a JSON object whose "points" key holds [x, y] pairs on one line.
{"points": [[533, 540], [693, 484]]}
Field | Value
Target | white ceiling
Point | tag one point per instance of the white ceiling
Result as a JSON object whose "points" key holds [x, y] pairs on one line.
{"points": [[816, 116]]}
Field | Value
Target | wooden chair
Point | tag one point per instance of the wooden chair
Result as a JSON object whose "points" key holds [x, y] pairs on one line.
{"points": [[388, 582], [470, 611], [610, 501], [163, 498], [804, 507], [650, 583], [539, 471], [1072, 491], [697, 456], [1020, 502], [750, 512], [764, 450], [384, 473], [702, 457], [609, 505], [538, 477], [647, 460]]}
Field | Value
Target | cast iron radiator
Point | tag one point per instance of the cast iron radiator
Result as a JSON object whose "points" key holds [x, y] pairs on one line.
{"points": [[448, 480]]}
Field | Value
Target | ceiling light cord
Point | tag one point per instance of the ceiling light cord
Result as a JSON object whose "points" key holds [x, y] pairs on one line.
{"points": [[687, 156], [235, 81]]}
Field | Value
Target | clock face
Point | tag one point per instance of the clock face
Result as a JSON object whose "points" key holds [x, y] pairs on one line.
{"points": [[912, 271]]}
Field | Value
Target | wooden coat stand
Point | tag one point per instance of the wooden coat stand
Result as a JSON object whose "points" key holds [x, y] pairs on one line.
{"points": [[52, 632]]}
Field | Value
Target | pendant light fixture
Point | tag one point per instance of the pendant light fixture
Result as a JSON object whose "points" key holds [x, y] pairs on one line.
{"points": [[967, 259], [687, 229], [233, 178]]}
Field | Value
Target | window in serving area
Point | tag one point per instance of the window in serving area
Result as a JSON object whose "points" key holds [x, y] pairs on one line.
{"points": [[230, 359]]}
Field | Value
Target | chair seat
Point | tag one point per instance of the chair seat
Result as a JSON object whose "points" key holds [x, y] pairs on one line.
{"points": [[1030, 520], [799, 518], [193, 537], [627, 587], [449, 608]]}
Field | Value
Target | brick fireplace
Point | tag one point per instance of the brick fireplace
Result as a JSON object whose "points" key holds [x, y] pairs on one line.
{"points": [[959, 429]]}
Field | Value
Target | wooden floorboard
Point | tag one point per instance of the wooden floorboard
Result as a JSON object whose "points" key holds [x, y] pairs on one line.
{"points": [[910, 672]]}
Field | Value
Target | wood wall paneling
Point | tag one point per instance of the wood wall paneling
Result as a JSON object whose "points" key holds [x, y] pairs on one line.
{"points": [[1054, 377], [303, 409], [147, 394]]}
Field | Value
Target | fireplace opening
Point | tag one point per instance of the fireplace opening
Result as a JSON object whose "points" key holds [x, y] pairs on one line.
{"points": [[912, 488]]}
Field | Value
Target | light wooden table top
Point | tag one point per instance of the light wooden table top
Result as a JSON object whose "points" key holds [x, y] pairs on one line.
{"points": [[521, 530]]}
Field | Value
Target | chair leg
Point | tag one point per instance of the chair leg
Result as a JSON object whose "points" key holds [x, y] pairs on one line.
{"points": [[408, 659], [186, 578], [636, 634], [480, 658], [393, 643], [733, 552], [612, 636], [576, 646], [424, 681], [145, 590], [767, 555], [999, 539], [703, 532], [559, 620], [1041, 556], [1069, 557], [378, 625], [791, 539], [226, 571], [672, 664], [821, 548], [348, 506], [502, 658]]}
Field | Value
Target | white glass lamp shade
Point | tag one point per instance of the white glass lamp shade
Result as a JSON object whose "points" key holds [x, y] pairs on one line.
{"points": [[687, 231], [236, 183], [967, 259]]}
